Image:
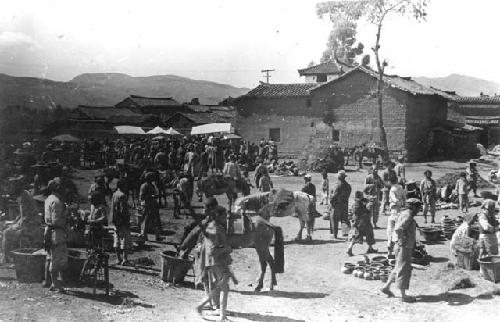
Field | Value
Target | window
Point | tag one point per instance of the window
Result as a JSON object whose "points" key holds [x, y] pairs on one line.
{"points": [[275, 135], [321, 78], [308, 102], [335, 135]]}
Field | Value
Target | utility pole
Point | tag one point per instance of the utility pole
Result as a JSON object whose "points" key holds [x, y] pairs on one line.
{"points": [[267, 76]]}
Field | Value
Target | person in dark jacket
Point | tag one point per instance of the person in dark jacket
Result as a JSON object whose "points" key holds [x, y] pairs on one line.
{"points": [[339, 202], [361, 223]]}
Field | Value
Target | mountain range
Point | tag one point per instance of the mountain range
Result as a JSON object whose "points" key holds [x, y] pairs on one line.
{"points": [[106, 89], [461, 84]]}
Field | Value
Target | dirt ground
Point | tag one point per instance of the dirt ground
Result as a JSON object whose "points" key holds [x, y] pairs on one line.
{"points": [[311, 289]]}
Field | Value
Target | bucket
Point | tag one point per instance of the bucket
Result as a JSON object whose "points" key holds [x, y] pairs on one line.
{"points": [[490, 268], [30, 265], [76, 260], [173, 269]]}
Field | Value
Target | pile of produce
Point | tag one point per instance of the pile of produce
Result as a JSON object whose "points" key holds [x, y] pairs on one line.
{"points": [[451, 179]]}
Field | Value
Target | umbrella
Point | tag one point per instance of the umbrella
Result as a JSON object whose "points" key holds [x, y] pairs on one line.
{"points": [[127, 129], [157, 130], [65, 138]]}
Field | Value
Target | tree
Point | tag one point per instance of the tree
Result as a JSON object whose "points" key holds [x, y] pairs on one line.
{"points": [[375, 12], [341, 43]]}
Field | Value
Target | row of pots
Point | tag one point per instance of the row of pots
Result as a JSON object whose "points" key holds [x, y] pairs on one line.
{"points": [[376, 270]]}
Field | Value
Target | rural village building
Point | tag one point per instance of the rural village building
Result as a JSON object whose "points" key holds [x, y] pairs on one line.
{"points": [[482, 112], [98, 121], [164, 107], [293, 114], [324, 72]]}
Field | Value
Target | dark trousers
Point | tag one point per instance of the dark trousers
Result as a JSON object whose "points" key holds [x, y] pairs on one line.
{"points": [[150, 218], [337, 216]]}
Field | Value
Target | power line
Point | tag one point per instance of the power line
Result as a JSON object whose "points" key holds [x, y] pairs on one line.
{"points": [[267, 76]]}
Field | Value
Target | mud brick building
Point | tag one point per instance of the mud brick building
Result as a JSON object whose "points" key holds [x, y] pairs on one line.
{"points": [[294, 115], [479, 111]]}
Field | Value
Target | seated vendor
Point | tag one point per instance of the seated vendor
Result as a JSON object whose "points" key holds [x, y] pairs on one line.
{"points": [[27, 226], [462, 241], [488, 226]]}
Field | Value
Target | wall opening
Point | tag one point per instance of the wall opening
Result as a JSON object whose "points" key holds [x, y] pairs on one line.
{"points": [[321, 78], [275, 135], [335, 135]]}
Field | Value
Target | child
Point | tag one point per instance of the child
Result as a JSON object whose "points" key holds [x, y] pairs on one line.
{"points": [[265, 183], [325, 188], [462, 190]]}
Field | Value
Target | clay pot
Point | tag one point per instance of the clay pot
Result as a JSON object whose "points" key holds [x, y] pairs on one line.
{"points": [[376, 265], [368, 275], [376, 275], [380, 259], [384, 277], [345, 270]]}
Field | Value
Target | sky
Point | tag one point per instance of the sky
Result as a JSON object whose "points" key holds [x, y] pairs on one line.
{"points": [[231, 41]]}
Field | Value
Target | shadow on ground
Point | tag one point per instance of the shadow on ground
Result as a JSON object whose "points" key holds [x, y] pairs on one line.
{"points": [[285, 294], [263, 317], [453, 299], [116, 297]]}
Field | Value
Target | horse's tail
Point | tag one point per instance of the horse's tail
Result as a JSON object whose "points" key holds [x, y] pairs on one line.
{"points": [[279, 250]]}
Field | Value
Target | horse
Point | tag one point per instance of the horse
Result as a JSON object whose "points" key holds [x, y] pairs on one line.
{"points": [[215, 185], [259, 236], [286, 203]]}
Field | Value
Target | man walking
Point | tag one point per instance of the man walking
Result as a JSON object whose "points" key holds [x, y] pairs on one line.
{"points": [[397, 199], [362, 224], [55, 236], [406, 231], [216, 261], [339, 202]]}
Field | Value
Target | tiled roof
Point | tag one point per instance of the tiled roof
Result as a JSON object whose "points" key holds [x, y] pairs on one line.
{"points": [[331, 67], [202, 118], [103, 112], [111, 114], [402, 83], [198, 108], [153, 101], [479, 100], [281, 90]]}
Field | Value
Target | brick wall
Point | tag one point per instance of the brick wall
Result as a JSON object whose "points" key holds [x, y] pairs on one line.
{"points": [[296, 131], [358, 122]]}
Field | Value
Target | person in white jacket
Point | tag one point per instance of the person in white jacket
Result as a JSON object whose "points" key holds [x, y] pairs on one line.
{"points": [[397, 199]]}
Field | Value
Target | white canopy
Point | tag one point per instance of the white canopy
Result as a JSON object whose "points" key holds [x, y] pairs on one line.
{"points": [[157, 130], [212, 128], [127, 129], [172, 131]]}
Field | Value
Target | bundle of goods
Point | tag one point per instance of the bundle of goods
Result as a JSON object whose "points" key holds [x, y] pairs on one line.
{"points": [[379, 268], [287, 168], [420, 255]]}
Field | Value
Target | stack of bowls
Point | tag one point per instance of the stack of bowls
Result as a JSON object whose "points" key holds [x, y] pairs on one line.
{"points": [[448, 226]]}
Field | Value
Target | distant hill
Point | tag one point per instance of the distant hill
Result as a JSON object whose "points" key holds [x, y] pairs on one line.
{"points": [[107, 89], [461, 84]]}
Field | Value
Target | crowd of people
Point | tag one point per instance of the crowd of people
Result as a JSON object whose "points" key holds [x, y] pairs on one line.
{"points": [[386, 192]]}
